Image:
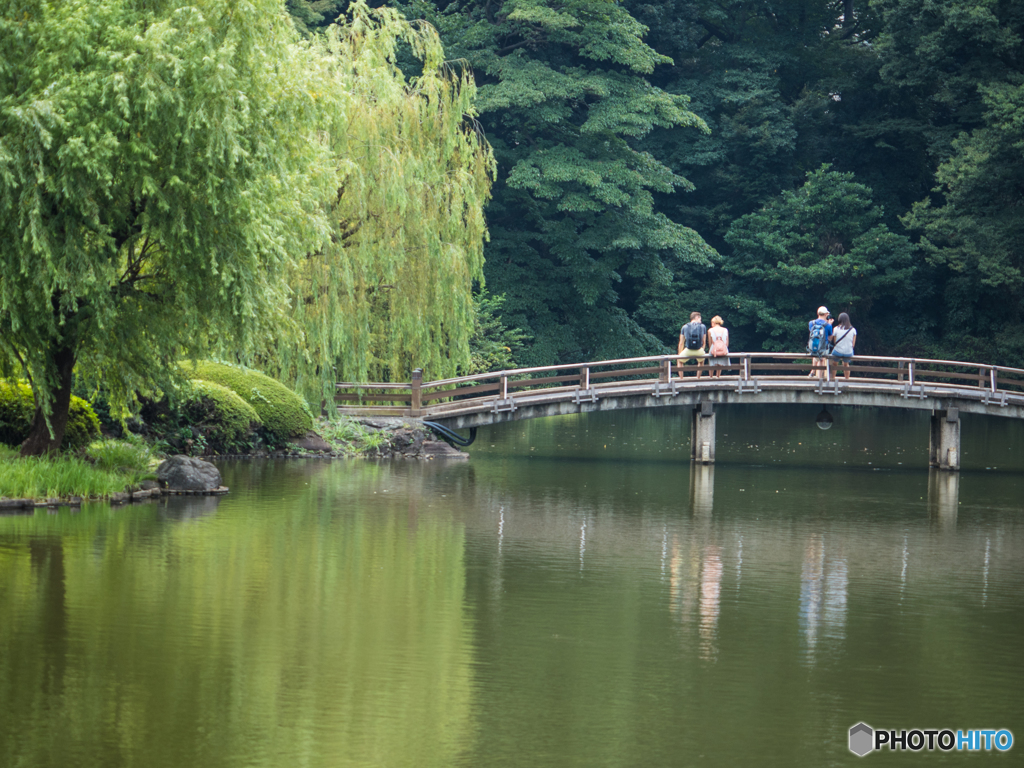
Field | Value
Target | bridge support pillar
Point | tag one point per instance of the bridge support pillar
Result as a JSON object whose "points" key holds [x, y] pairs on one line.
{"points": [[944, 444], [702, 434]]}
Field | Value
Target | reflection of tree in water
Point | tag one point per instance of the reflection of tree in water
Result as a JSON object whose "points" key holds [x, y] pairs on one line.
{"points": [[47, 558], [327, 627]]}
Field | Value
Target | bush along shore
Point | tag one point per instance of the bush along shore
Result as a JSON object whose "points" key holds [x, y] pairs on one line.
{"points": [[226, 412]]}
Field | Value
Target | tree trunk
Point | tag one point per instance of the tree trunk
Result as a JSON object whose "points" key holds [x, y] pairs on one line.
{"points": [[39, 441]]}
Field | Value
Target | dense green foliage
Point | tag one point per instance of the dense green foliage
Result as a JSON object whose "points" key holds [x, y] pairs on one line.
{"points": [[17, 408], [565, 101], [914, 105], [281, 411], [825, 243], [493, 345], [974, 235], [223, 419]]}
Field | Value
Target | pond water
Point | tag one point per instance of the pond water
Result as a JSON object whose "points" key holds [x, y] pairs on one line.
{"points": [[575, 595]]}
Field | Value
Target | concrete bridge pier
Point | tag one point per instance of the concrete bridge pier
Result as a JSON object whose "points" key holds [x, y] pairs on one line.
{"points": [[702, 433], [944, 443]]}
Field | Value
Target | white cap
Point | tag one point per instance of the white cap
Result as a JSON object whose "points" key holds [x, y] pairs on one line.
{"points": [[822, 310]]}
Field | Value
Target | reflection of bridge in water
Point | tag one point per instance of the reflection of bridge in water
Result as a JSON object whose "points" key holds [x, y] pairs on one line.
{"points": [[945, 388]]}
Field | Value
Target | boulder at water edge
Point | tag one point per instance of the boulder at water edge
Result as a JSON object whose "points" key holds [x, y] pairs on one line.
{"points": [[183, 473], [311, 442]]}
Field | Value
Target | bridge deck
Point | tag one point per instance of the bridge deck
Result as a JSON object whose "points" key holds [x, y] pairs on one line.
{"points": [[654, 382]]}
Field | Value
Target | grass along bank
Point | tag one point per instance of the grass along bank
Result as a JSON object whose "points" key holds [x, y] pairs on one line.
{"points": [[112, 466], [103, 468]]}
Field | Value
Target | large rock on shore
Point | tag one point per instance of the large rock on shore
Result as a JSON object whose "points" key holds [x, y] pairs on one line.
{"points": [[311, 442], [184, 473]]}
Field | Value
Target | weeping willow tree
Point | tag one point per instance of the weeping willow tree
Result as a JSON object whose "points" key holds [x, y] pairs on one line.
{"points": [[391, 290], [179, 177], [163, 164]]}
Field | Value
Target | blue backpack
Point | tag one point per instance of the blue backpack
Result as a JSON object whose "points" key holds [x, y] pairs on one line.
{"points": [[817, 345]]}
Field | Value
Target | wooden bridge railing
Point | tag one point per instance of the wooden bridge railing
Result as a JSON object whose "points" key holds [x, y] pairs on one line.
{"points": [[417, 396]]}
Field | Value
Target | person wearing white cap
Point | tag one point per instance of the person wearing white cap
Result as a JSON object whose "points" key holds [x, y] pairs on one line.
{"points": [[819, 331]]}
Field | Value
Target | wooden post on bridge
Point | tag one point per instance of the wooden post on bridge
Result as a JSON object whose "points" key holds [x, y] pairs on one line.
{"points": [[944, 441], [416, 396], [702, 433]]}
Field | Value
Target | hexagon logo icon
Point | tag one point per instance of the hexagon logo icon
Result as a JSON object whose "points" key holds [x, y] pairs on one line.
{"points": [[862, 737]]}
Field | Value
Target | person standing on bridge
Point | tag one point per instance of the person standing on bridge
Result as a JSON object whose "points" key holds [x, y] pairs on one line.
{"points": [[820, 331], [844, 336], [692, 338], [718, 338]]}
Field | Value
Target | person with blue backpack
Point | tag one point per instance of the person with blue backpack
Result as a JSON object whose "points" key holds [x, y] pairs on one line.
{"points": [[819, 332], [692, 338]]}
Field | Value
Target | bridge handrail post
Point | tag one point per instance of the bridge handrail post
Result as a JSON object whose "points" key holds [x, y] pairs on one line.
{"points": [[585, 377], [910, 372], [666, 371], [503, 381], [992, 378], [416, 392], [745, 373]]}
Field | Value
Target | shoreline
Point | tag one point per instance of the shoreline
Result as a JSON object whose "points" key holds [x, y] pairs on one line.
{"points": [[374, 438]]}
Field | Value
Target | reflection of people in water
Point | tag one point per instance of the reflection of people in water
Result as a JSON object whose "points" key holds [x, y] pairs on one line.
{"points": [[683, 571], [710, 598], [695, 581], [810, 588], [823, 589], [836, 585]]}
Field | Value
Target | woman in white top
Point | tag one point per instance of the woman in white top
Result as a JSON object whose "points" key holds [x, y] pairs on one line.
{"points": [[719, 351], [844, 336]]}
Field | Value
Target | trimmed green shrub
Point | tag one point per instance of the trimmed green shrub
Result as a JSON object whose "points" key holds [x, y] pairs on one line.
{"points": [[17, 408], [223, 418], [284, 413]]}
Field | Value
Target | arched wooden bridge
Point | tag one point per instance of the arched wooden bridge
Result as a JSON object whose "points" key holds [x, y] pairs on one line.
{"points": [[945, 388]]}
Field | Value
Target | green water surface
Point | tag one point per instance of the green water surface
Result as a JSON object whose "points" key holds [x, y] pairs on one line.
{"points": [[574, 595]]}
